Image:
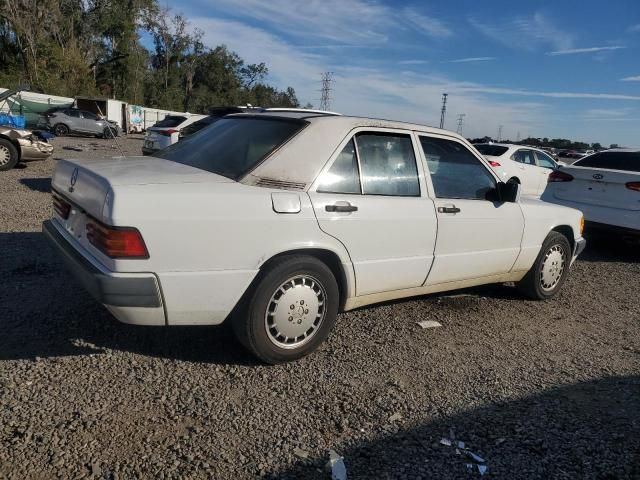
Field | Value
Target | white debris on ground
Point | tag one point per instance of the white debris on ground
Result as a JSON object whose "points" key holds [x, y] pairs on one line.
{"points": [[429, 324], [460, 447], [336, 466]]}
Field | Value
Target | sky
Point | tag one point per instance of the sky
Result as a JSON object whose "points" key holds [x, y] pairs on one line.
{"points": [[556, 69]]}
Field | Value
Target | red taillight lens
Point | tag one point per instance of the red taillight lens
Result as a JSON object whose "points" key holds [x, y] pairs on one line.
{"points": [[61, 207], [493, 163], [116, 242], [167, 133], [635, 186], [559, 176]]}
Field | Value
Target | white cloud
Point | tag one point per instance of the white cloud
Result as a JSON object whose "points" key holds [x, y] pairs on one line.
{"points": [[572, 51], [525, 33], [634, 28], [635, 78], [472, 59], [413, 62], [427, 25]]}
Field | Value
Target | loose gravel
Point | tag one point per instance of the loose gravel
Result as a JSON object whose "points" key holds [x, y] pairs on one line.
{"points": [[538, 390]]}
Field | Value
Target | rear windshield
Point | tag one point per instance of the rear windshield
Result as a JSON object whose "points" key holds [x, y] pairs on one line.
{"points": [[491, 150], [170, 121], [197, 126], [627, 161], [233, 146]]}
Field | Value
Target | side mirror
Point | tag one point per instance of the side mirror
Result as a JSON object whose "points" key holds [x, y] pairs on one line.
{"points": [[509, 192]]}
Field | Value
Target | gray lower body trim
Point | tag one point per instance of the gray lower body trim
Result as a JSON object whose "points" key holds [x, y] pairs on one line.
{"points": [[107, 289], [580, 246]]}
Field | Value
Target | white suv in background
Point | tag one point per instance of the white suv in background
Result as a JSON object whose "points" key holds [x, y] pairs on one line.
{"points": [[527, 166], [166, 132]]}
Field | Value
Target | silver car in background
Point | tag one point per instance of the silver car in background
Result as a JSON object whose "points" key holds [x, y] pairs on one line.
{"points": [[71, 120]]}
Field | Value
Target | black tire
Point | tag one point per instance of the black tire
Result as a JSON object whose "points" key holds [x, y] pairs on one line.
{"points": [[537, 287], [60, 129], [8, 149], [250, 321], [108, 133]]}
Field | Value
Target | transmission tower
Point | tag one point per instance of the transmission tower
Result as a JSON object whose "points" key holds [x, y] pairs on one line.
{"points": [[325, 96], [500, 133], [460, 121], [444, 109]]}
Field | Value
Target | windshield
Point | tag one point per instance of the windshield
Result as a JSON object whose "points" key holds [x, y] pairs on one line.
{"points": [[233, 146], [491, 150]]}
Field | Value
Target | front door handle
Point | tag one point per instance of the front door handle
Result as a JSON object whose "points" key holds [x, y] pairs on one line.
{"points": [[346, 207], [453, 209]]}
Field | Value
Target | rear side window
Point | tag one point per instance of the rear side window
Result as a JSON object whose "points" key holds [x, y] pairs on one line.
{"points": [[374, 163], [343, 176], [232, 147], [388, 165], [524, 156], [491, 150], [170, 121], [627, 161], [455, 171]]}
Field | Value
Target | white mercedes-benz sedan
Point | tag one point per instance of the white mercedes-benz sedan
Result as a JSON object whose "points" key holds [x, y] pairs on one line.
{"points": [[276, 221], [605, 186], [527, 166]]}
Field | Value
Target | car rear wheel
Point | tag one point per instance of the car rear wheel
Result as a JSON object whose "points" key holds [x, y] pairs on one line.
{"points": [[550, 269], [61, 130], [8, 155], [290, 310]]}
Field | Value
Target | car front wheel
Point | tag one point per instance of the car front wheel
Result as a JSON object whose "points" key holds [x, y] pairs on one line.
{"points": [[550, 269], [8, 155], [290, 310]]}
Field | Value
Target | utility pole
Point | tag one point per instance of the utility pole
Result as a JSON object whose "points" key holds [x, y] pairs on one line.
{"points": [[444, 109], [500, 133], [460, 120], [325, 96]]}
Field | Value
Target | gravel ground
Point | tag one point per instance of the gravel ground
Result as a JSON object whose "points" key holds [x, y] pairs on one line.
{"points": [[538, 390]]}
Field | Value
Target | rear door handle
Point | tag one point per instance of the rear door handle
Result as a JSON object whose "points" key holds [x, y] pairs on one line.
{"points": [[341, 208], [453, 209]]}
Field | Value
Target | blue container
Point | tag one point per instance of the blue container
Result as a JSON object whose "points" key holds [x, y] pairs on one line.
{"points": [[15, 121]]}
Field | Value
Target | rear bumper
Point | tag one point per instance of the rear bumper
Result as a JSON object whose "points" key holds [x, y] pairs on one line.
{"points": [[133, 298]]}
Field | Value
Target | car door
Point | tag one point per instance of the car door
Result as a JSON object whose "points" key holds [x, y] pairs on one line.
{"points": [[369, 197], [477, 237], [546, 165], [527, 170], [74, 120], [89, 123]]}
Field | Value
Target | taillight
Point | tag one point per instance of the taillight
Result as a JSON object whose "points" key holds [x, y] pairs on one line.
{"points": [[559, 176], [635, 186], [116, 242], [493, 163], [61, 207], [167, 133]]}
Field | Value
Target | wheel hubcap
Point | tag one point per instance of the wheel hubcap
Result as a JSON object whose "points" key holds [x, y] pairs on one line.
{"points": [[5, 155], [552, 267], [295, 312]]}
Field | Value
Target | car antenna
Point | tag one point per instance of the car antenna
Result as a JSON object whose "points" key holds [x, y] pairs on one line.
{"points": [[113, 135]]}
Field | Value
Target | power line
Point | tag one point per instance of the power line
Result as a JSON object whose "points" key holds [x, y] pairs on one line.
{"points": [[325, 97], [444, 109], [460, 121]]}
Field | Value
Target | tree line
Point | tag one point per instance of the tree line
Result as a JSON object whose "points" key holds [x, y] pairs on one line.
{"points": [[94, 47]]}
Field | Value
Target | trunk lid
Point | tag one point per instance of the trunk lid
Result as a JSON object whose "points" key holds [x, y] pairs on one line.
{"points": [[600, 187], [86, 183]]}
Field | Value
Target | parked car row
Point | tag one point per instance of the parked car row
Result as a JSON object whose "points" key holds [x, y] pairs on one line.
{"points": [[321, 213]]}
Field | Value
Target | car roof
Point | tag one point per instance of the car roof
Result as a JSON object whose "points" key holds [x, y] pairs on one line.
{"points": [[302, 158]]}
